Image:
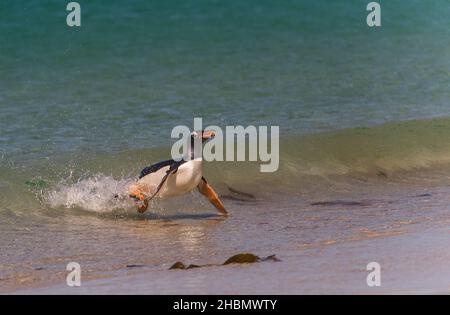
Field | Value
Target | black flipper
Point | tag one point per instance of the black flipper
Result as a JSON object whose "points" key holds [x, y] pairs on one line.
{"points": [[172, 170], [155, 167]]}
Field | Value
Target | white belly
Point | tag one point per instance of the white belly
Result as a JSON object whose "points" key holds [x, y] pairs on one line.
{"points": [[186, 178]]}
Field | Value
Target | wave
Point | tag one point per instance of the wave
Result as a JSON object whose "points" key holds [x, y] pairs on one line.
{"points": [[307, 163], [326, 160], [392, 147]]}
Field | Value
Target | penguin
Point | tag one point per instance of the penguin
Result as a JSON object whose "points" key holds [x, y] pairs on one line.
{"points": [[171, 178]]}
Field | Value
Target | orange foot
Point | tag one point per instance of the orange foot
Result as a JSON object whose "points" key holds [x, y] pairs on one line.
{"points": [[141, 201], [142, 206]]}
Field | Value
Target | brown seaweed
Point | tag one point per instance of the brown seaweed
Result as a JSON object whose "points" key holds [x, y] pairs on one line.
{"points": [[242, 258]]}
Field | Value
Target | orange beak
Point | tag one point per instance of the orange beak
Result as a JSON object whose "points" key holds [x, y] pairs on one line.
{"points": [[208, 135]]}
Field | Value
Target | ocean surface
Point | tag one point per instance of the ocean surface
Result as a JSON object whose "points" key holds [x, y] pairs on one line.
{"points": [[364, 116]]}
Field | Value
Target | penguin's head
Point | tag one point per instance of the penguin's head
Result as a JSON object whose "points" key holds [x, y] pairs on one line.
{"points": [[198, 137], [203, 135]]}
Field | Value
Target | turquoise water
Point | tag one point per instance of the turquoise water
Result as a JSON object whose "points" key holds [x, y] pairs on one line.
{"points": [[135, 69], [363, 115]]}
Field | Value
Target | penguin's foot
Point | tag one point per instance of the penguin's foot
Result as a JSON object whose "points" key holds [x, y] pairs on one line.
{"points": [[141, 201], [206, 190], [137, 196], [142, 205]]}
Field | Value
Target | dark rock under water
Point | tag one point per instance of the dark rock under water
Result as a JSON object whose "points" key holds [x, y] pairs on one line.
{"points": [[423, 195], [135, 266], [342, 203], [238, 195]]}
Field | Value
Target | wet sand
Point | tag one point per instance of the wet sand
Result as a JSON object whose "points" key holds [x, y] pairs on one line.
{"points": [[411, 263]]}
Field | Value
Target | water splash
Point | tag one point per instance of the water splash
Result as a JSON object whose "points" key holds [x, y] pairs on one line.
{"points": [[97, 193], [105, 194]]}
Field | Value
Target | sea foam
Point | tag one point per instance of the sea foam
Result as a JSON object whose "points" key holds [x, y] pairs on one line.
{"points": [[98, 193]]}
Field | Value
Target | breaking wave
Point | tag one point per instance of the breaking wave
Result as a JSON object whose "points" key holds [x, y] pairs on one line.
{"points": [[308, 163]]}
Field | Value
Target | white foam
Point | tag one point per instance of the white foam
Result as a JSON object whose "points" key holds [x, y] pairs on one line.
{"points": [[95, 193]]}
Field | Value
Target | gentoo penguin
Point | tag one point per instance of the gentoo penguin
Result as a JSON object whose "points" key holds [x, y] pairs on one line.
{"points": [[174, 178]]}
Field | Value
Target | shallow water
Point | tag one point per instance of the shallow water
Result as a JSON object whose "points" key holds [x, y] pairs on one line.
{"points": [[135, 69], [391, 224]]}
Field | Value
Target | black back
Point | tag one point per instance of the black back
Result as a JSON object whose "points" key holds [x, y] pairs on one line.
{"points": [[157, 166]]}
